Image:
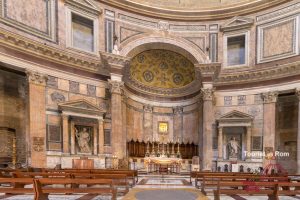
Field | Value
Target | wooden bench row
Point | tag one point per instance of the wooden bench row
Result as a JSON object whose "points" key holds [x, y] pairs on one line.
{"points": [[272, 189], [42, 187], [212, 181]]}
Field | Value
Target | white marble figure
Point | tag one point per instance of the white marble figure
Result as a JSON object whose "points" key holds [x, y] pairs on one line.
{"points": [[233, 147], [83, 139], [116, 50]]}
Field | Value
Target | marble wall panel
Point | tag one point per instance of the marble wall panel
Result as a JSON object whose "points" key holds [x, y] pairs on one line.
{"points": [[191, 127], [100, 92], [278, 39], [55, 97], [63, 84], [82, 88], [162, 110]]}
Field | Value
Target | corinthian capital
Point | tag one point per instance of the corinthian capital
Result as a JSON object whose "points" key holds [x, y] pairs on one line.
{"points": [[116, 86], [207, 94], [178, 110], [36, 77], [269, 97], [148, 108]]}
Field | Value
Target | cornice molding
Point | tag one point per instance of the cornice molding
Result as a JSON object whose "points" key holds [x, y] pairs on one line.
{"points": [[114, 60], [256, 75], [209, 71], [213, 13], [50, 53]]}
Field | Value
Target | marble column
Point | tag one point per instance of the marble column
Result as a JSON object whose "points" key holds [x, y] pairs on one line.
{"points": [[269, 128], [298, 135], [220, 143], [207, 154], [65, 129], [178, 123], [101, 135], [148, 123], [37, 118], [118, 139], [248, 139]]}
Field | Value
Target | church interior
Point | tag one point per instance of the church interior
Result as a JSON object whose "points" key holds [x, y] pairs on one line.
{"points": [[143, 99]]}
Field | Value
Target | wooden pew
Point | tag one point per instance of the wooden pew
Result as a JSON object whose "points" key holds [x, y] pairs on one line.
{"points": [[16, 185], [119, 180], [254, 188], [199, 176], [41, 192], [131, 174], [286, 189], [40, 175], [212, 181]]}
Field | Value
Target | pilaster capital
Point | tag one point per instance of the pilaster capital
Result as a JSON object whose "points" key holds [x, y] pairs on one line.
{"points": [[148, 108], [270, 97], [64, 116], [178, 110], [297, 92], [36, 77], [207, 94], [116, 87], [209, 71]]}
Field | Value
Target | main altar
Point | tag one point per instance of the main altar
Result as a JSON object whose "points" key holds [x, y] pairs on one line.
{"points": [[163, 159]]}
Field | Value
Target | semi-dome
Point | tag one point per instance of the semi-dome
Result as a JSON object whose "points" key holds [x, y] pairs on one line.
{"points": [[162, 69]]}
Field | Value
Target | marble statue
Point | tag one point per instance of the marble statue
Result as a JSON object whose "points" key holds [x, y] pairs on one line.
{"points": [[233, 147], [83, 139]]}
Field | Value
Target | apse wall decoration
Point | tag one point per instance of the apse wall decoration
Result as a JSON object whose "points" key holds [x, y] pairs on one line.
{"points": [[163, 127], [162, 69]]}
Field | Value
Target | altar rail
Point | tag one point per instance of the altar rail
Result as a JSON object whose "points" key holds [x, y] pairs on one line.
{"points": [[138, 149]]}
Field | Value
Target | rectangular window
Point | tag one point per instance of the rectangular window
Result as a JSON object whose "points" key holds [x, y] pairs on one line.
{"points": [[236, 53], [82, 33], [109, 35]]}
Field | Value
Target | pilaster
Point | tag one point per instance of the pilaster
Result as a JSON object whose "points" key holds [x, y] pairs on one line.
{"points": [[37, 117]]}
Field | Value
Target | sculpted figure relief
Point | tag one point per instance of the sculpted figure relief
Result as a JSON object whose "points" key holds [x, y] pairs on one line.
{"points": [[233, 147], [83, 139]]}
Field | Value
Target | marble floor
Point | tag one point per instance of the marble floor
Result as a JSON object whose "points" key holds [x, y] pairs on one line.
{"points": [[155, 187]]}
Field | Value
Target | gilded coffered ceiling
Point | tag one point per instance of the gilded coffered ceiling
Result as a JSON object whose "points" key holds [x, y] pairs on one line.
{"points": [[162, 69]]}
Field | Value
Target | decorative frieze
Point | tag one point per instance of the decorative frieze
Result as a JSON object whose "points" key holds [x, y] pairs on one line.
{"points": [[52, 82], [270, 97], [242, 100], [116, 86], [74, 87], [57, 97], [176, 27], [36, 78], [227, 100], [91, 90], [207, 94]]}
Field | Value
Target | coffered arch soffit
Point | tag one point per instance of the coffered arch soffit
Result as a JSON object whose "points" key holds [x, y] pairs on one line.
{"points": [[180, 45]]}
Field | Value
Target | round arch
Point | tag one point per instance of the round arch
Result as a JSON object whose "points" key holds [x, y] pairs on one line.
{"points": [[184, 47]]}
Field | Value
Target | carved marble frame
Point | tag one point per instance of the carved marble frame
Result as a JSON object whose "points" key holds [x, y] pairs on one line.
{"points": [[69, 30], [227, 35], [260, 36]]}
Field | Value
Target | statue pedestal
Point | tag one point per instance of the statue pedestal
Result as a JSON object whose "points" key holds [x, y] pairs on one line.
{"points": [[83, 163]]}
